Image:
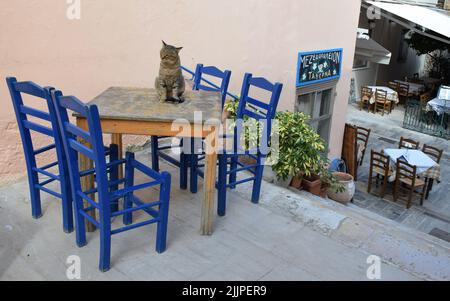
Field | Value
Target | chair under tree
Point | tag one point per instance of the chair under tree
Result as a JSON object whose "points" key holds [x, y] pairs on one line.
{"points": [[263, 113], [107, 182]]}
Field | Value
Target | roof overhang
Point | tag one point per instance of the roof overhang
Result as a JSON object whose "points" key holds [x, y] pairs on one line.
{"points": [[372, 51], [429, 18]]}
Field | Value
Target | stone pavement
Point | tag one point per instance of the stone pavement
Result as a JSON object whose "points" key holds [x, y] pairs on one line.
{"points": [[289, 236], [386, 133]]}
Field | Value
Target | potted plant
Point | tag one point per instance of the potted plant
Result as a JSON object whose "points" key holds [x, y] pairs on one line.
{"points": [[347, 189], [330, 183]]}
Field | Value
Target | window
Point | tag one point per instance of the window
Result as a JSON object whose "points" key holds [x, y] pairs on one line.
{"points": [[359, 63], [319, 105]]}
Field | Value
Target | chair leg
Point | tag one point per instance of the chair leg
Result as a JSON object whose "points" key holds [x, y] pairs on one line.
{"points": [[193, 173], [222, 186], [257, 184], [105, 241], [383, 189], [233, 175], [155, 157], [410, 195], [114, 175], [183, 170], [161, 232], [422, 195], [67, 203], [80, 223], [35, 194], [129, 182]]}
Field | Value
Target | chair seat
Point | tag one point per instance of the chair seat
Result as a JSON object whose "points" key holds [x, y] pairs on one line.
{"points": [[381, 171], [418, 182]]}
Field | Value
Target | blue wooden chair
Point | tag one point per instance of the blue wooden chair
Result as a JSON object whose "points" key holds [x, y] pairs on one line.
{"points": [[30, 120], [229, 165], [186, 161], [158, 210], [203, 84]]}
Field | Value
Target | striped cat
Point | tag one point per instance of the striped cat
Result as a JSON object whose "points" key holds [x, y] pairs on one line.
{"points": [[170, 77]]}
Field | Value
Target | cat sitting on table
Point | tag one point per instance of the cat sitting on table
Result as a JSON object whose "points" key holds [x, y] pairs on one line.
{"points": [[170, 80]]}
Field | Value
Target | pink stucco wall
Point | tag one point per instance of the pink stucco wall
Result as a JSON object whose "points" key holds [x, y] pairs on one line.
{"points": [[117, 42]]}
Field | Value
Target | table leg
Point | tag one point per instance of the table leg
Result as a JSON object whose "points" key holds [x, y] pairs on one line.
{"points": [[429, 188], [207, 218], [117, 139], [87, 182]]}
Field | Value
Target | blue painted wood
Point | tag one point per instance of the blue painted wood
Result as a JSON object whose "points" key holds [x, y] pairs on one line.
{"points": [[229, 161], [17, 89], [106, 175], [191, 161]]}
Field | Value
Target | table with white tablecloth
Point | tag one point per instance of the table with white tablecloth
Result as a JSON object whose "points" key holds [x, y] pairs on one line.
{"points": [[391, 95], [440, 106], [413, 87]]}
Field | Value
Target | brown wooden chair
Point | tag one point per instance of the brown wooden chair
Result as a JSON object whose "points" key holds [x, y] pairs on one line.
{"points": [[434, 153], [406, 180], [381, 102], [408, 144], [366, 95], [362, 139], [403, 93], [379, 166], [393, 85], [425, 98]]}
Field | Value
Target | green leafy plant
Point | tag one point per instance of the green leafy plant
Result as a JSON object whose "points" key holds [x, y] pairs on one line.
{"points": [[300, 147], [329, 181]]}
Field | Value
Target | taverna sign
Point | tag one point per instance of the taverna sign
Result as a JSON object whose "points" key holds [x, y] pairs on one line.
{"points": [[318, 66]]}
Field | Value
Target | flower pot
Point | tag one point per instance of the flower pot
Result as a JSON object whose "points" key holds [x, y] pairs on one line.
{"points": [[312, 184], [348, 182], [297, 181]]}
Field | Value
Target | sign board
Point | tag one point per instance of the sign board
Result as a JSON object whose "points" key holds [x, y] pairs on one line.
{"points": [[318, 66]]}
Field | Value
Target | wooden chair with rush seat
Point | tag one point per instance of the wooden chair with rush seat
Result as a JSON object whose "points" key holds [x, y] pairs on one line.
{"points": [[406, 180], [380, 168]]}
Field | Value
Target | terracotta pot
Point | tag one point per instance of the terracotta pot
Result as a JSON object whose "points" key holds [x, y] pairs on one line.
{"points": [[297, 181], [349, 184], [312, 184]]}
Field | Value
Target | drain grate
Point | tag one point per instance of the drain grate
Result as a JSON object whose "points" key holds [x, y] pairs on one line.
{"points": [[388, 140], [441, 234]]}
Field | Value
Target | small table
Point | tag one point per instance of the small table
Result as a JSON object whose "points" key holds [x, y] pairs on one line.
{"points": [[392, 95], [137, 111], [414, 88], [440, 106], [426, 167]]}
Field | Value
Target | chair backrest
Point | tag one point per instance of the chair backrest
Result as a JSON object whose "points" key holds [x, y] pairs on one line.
{"points": [[380, 95], [45, 122], [201, 83], [366, 93], [78, 141], [425, 98], [403, 89], [393, 85], [380, 161], [433, 152], [362, 135], [408, 143], [259, 110], [404, 170]]}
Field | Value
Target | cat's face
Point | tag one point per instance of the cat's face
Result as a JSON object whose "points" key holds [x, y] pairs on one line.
{"points": [[170, 53]]}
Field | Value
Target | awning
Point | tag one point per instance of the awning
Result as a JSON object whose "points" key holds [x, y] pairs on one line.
{"points": [[372, 51], [430, 18]]}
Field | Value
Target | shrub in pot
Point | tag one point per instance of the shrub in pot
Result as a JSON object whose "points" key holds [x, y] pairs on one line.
{"points": [[347, 191]]}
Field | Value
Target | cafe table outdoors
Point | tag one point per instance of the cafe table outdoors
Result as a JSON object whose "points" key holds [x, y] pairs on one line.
{"points": [[392, 95], [427, 168], [138, 111], [414, 89]]}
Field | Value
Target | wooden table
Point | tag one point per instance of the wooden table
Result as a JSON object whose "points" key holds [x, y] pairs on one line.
{"points": [[137, 111]]}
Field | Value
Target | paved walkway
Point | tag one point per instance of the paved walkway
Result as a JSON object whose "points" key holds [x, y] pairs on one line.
{"points": [[289, 236], [386, 133]]}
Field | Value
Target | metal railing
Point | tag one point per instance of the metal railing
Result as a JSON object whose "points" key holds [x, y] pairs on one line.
{"points": [[419, 119]]}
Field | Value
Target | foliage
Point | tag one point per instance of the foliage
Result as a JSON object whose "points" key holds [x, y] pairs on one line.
{"points": [[329, 181], [437, 52]]}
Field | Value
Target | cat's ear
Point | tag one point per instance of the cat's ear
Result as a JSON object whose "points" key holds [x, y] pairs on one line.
{"points": [[179, 49], [164, 43]]}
